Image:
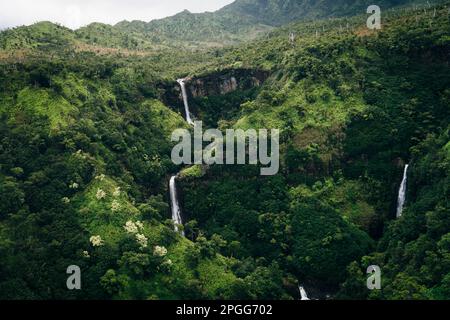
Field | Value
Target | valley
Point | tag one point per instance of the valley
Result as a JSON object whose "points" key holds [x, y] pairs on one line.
{"points": [[87, 176]]}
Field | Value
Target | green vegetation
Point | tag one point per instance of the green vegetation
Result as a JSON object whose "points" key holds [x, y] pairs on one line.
{"points": [[241, 21], [86, 119], [276, 13]]}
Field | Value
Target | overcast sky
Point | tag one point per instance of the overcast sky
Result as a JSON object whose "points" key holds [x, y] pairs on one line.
{"points": [[76, 13]]}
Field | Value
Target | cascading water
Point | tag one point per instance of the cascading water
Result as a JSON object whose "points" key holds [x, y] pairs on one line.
{"points": [[185, 101], [402, 193], [303, 294], [176, 212]]}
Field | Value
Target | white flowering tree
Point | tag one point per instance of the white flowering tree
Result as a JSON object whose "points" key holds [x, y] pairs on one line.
{"points": [[100, 194], [159, 251], [115, 206], [117, 192], [96, 241], [142, 240]]}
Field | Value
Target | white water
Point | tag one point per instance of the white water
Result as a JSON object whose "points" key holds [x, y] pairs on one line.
{"points": [[176, 212], [402, 193], [303, 294], [185, 101]]}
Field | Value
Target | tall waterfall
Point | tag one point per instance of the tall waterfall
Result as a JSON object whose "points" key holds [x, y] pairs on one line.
{"points": [[402, 193], [303, 294], [185, 101], [176, 212]]}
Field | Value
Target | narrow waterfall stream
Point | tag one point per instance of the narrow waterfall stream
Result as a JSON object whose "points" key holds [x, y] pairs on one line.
{"points": [[175, 206], [185, 101], [402, 192], [176, 212], [303, 294]]}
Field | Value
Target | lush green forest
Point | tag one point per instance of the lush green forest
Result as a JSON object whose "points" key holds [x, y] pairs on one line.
{"points": [[86, 118]]}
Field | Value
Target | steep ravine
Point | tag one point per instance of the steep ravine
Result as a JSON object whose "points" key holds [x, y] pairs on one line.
{"points": [[174, 203], [198, 88], [215, 84]]}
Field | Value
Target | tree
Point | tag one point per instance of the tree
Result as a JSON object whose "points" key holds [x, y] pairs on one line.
{"points": [[11, 196]]}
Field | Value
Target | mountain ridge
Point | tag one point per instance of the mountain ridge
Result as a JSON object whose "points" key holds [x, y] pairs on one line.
{"points": [[86, 160], [235, 23]]}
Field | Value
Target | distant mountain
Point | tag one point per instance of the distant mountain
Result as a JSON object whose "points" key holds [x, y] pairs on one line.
{"points": [[197, 28], [278, 12], [242, 20], [39, 35]]}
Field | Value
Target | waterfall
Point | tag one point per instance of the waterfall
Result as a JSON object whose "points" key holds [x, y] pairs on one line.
{"points": [[176, 212], [185, 101], [303, 294], [175, 206], [402, 193]]}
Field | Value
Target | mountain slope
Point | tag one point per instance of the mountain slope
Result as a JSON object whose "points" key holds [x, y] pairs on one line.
{"points": [[39, 35], [216, 28], [85, 159], [240, 21], [278, 12], [243, 20]]}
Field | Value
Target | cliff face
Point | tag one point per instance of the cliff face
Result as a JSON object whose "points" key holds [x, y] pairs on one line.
{"points": [[199, 88], [225, 82], [214, 84]]}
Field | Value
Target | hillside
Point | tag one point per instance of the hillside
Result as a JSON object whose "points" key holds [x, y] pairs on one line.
{"points": [[197, 29], [86, 118], [243, 20], [279, 12], [354, 110]]}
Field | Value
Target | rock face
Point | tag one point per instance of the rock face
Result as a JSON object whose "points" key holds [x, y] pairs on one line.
{"points": [[214, 84], [225, 82]]}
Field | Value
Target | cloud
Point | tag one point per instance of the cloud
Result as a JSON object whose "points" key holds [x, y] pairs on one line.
{"points": [[77, 13]]}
